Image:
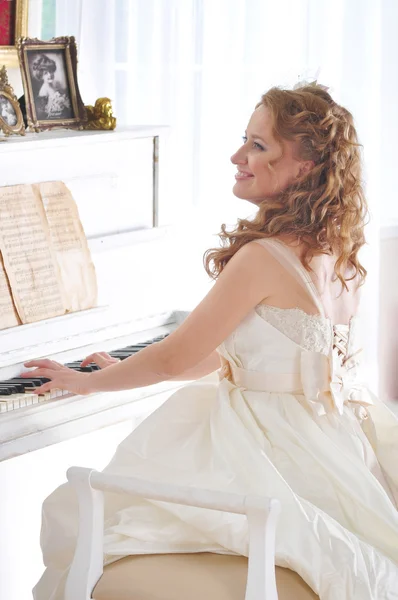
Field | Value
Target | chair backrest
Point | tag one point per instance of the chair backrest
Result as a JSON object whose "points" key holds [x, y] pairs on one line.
{"points": [[87, 564]]}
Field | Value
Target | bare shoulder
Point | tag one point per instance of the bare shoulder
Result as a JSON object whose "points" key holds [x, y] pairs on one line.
{"points": [[242, 285], [258, 250], [253, 265], [253, 257]]}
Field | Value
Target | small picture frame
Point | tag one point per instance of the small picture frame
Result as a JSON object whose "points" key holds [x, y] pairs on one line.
{"points": [[11, 119], [49, 75]]}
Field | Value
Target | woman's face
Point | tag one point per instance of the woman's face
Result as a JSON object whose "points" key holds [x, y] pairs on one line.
{"points": [[265, 166], [48, 76]]}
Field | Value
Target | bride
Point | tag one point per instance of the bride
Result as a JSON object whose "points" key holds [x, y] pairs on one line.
{"points": [[290, 417]]}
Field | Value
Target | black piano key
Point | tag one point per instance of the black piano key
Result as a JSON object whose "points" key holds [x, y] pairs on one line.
{"points": [[76, 366], [121, 355], [128, 350], [138, 347], [17, 387], [20, 385], [133, 348], [26, 383], [11, 382], [8, 390]]}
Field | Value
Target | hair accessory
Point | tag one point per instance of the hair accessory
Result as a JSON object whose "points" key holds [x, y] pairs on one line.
{"points": [[314, 83]]}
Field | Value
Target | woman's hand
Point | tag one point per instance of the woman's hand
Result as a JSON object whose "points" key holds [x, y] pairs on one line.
{"points": [[61, 378], [102, 359]]}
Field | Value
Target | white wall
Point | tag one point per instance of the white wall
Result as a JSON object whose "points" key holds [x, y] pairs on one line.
{"points": [[389, 113]]}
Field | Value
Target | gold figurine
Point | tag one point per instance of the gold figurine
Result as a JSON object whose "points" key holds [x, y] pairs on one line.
{"points": [[100, 116]]}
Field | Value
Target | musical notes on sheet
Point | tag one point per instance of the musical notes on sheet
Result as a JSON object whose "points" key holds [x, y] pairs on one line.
{"points": [[8, 313], [70, 246], [48, 268]]}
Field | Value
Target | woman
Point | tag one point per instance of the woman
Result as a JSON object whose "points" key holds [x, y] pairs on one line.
{"points": [[290, 418], [7, 112], [52, 100]]}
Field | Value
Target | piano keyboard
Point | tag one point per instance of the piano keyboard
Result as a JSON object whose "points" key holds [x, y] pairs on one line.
{"points": [[18, 392]]}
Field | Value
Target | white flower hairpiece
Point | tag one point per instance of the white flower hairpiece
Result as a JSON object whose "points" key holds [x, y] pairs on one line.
{"points": [[303, 83]]}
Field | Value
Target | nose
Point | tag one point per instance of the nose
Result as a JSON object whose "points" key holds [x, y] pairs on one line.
{"points": [[239, 158]]}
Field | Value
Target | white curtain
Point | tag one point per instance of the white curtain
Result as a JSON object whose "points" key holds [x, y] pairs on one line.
{"points": [[200, 66]]}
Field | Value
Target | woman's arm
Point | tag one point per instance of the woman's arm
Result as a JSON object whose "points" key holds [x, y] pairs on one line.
{"points": [[208, 365], [245, 281]]}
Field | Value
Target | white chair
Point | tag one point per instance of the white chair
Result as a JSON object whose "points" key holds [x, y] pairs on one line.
{"points": [[133, 578]]}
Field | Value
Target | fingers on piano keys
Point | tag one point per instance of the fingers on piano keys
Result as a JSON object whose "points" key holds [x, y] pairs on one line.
{"points": [[19, 392]]}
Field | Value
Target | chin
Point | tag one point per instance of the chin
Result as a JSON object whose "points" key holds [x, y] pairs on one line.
{"points": [[242, 196], [240, 193]]}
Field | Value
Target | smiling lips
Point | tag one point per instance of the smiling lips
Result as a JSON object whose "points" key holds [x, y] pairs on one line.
{"points": [[243, 175]]}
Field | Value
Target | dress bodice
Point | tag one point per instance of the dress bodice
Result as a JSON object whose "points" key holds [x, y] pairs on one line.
{"points": [[311, 332], [273, 339], [295, 351]]}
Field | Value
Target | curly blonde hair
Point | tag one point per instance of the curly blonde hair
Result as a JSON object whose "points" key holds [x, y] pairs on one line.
{"points": [[325, 209]]}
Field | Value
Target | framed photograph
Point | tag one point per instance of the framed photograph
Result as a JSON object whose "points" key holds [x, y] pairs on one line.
{"points": [[11, 120], [13, 25], [49, 75]]}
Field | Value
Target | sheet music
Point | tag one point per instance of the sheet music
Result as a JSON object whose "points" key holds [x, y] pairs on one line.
{"points": [[28, 257], [70, 246], [8, 314]]}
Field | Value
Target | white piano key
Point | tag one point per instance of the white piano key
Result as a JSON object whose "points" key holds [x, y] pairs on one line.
{"points": [[34, 398], [44, 397], [30, 399], [12, 402]]}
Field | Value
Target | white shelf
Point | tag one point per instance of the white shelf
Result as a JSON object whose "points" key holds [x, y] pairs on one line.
{"points": [[68, 137]]}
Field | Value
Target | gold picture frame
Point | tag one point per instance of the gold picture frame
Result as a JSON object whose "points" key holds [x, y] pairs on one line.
{"points": [[11, 119], [9, 54], [49, 76]]}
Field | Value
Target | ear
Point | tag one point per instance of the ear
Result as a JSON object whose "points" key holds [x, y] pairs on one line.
{"points": [[305, 167]]}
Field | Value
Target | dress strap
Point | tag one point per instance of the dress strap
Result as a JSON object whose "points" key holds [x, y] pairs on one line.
{"points": [[290, 261]]}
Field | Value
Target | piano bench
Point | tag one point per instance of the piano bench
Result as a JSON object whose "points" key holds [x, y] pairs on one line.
{"points": [[202, 576]]}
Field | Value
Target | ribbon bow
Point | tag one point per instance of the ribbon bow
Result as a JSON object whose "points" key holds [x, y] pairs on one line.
{"points": [[330, 382]]}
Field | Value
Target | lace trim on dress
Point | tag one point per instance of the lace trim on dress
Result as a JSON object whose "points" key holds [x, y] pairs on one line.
{"points": [[311, 332]]}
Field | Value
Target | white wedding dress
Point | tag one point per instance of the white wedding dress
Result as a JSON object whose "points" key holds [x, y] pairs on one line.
{"points": [[289, 419]]}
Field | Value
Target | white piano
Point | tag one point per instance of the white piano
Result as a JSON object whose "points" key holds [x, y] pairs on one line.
{"points": [[30, 423], [113, 177]]}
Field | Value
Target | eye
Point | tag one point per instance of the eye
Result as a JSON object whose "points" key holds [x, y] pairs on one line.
{"points": [[256, 145]]}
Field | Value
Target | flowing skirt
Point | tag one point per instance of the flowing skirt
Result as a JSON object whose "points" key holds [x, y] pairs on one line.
{"points": [[336, 478]]}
